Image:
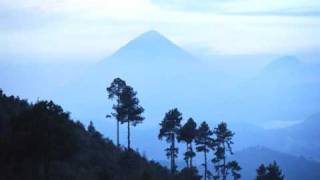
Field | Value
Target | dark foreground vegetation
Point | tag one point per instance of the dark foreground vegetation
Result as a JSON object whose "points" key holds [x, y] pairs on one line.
{"points": [[40, 141]]}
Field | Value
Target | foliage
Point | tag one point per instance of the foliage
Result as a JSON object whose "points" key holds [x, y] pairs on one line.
{"points": [[127, 110], [203, 141], [187, 134], [170, 126], [43, 135], [189, 174], [222, 146], [271, 172], [114, 91]]}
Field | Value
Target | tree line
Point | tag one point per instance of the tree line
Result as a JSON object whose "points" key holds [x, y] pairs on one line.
{"points": [[126, 109], [40, 141]]}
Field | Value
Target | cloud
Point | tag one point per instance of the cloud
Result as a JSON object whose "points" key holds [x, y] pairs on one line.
{"points": [[214, 6], [15, 20], [98, 27], [246, 7]]}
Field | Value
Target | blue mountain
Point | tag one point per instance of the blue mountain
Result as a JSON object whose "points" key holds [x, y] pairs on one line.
{"points": [[150, 46]]}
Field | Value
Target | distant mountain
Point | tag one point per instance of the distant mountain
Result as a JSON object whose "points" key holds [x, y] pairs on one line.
{"points": [[150, 46], [290, 69], [286, 62], [164, 74], [167, 76], [300, 139], [285, 90], [310, 125], [294, 168], [297, 140]]}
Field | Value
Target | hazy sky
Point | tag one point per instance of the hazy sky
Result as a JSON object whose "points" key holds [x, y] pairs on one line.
{"points": [[92, 29]]}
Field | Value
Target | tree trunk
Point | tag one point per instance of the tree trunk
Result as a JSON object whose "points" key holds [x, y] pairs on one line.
{"points": [[129, 148], [224, 173], [172, 149], [205, 164], [190, 154], [187, 159], [118, 141]]}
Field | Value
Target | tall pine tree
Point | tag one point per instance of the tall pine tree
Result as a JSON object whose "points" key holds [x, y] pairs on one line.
{"points": [[203, 141], [129, 110], [222, 146], [114, 91], [170, 126], [187, 134]]}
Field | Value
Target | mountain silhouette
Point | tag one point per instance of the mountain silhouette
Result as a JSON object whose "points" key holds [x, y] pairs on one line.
{"points": [[150, 46], [291, 166], [149, 62], [286, 62]]}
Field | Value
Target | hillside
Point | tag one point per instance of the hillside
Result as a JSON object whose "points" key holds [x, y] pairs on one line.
{"points": [[40, 141]]}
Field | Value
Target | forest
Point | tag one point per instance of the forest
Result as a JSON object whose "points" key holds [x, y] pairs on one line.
{"points": [[40, 141]]}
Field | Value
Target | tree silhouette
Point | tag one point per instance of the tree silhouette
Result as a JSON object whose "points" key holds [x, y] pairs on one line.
{"points": [[93, 132], [187, 134], [261, 173], [170, 126], [222, 146], [271, 172], [40, 141], [274, 172], [234, 167], [204, 140], [114, 91], [129, 110], [189, 174], [48, 130]]}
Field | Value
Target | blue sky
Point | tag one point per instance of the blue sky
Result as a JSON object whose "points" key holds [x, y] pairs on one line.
{"points": [[83, 29]]}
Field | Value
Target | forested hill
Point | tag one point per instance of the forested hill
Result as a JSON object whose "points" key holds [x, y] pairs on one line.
{"points": [[40, 141]]}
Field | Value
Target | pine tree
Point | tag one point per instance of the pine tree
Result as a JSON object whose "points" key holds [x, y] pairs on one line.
{"points": [[91, 129], [170, 126], [93, 132], [187, 134], [274, 172], [204, 140], [234, 167], [222, 146], [129, 110], [271, 172], [261, 173], [114, 91]]}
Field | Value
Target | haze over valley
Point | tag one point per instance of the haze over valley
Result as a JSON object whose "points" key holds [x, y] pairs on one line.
{"points": [[253, 65]]}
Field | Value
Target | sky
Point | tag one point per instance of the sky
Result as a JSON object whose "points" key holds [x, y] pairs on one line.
{"points": [[60, 30]]}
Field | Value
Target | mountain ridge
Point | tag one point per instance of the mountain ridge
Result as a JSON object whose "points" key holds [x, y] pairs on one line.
{"points": [[150, 47], [250, 158]]}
